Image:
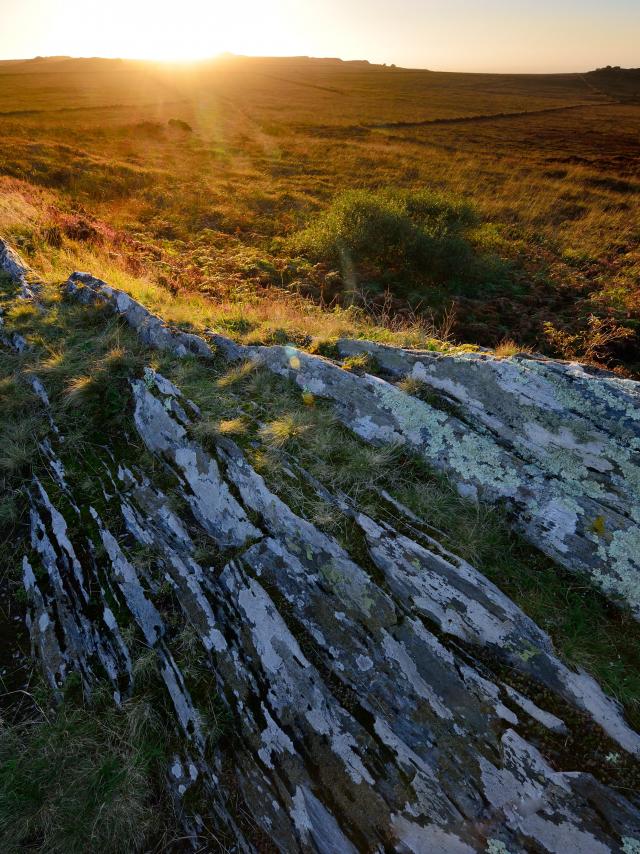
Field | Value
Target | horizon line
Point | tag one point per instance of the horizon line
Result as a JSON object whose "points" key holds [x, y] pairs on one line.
{"points": [[229, 55]]}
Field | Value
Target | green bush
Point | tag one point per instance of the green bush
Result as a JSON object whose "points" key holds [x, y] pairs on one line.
{"points": [[398, 239]]}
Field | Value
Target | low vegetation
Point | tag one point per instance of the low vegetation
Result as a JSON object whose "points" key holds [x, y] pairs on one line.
{"points": [[414, 244], [78, 780], [431, 194]]}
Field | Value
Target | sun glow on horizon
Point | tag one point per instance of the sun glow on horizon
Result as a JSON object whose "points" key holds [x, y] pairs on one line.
{"points": [[190, 30], [447, 35]]}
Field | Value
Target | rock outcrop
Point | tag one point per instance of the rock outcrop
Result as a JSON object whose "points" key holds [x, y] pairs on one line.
{"points": [[558, 444], [394, 701], [13, 266]]}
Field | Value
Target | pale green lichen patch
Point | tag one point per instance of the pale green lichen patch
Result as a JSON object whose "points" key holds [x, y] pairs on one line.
{"points": [[332, 576], [412, 413], [483, 461], [622, 555], [472, 456], [526, 652]]}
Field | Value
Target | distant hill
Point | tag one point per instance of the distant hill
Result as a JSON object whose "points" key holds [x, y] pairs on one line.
{"points": [[61, 64], [286, 59], [617, 82], [320, 63]]}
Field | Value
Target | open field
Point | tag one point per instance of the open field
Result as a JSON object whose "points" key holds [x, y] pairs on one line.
{"points": [[547, 164]]}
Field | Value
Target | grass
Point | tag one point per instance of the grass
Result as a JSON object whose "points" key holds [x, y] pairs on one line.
{"points": [[269, 316], [506, 348], [104, 176], [79, 781]]}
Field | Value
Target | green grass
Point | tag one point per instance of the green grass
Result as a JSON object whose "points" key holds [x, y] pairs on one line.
{"points": [[80, 780]]}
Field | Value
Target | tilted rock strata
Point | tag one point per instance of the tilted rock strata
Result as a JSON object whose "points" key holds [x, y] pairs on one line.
{"points": [[358, 727], [576, 429], [152, 330], [577, 504], [556, 443], [22, 276], [368, 709], [14, 267]]}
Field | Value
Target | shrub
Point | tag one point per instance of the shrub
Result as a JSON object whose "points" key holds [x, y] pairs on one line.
{"points": [[179, 124], [591, 344], [154, 130], [394, 238]]}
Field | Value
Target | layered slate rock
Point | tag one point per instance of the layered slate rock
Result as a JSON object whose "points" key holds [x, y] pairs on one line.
{"points": [[14, 267], [557, 444], [579, 426], [151, 329], [569, 480], [361, 723], [389, 699]]}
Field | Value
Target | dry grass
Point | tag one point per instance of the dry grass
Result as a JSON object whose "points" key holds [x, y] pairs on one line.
{"points": [[506, 348], [198, 224]]}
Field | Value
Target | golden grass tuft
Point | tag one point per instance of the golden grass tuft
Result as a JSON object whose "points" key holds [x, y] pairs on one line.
{"points": [[78, 388], [506, 348], [412, 386], [232, 426], [237, 374], [281, 431]]}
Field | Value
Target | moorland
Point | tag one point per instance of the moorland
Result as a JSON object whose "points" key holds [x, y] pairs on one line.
{"points": [[244, 193]]}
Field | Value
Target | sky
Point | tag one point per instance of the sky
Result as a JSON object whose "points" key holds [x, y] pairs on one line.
{"points": [[447, 35]]}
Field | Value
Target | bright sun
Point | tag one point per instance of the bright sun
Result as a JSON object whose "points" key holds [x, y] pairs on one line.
{"points": [[193, 29]]}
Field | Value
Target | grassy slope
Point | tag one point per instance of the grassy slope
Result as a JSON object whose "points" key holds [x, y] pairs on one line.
{"points": [[274, 141]]}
